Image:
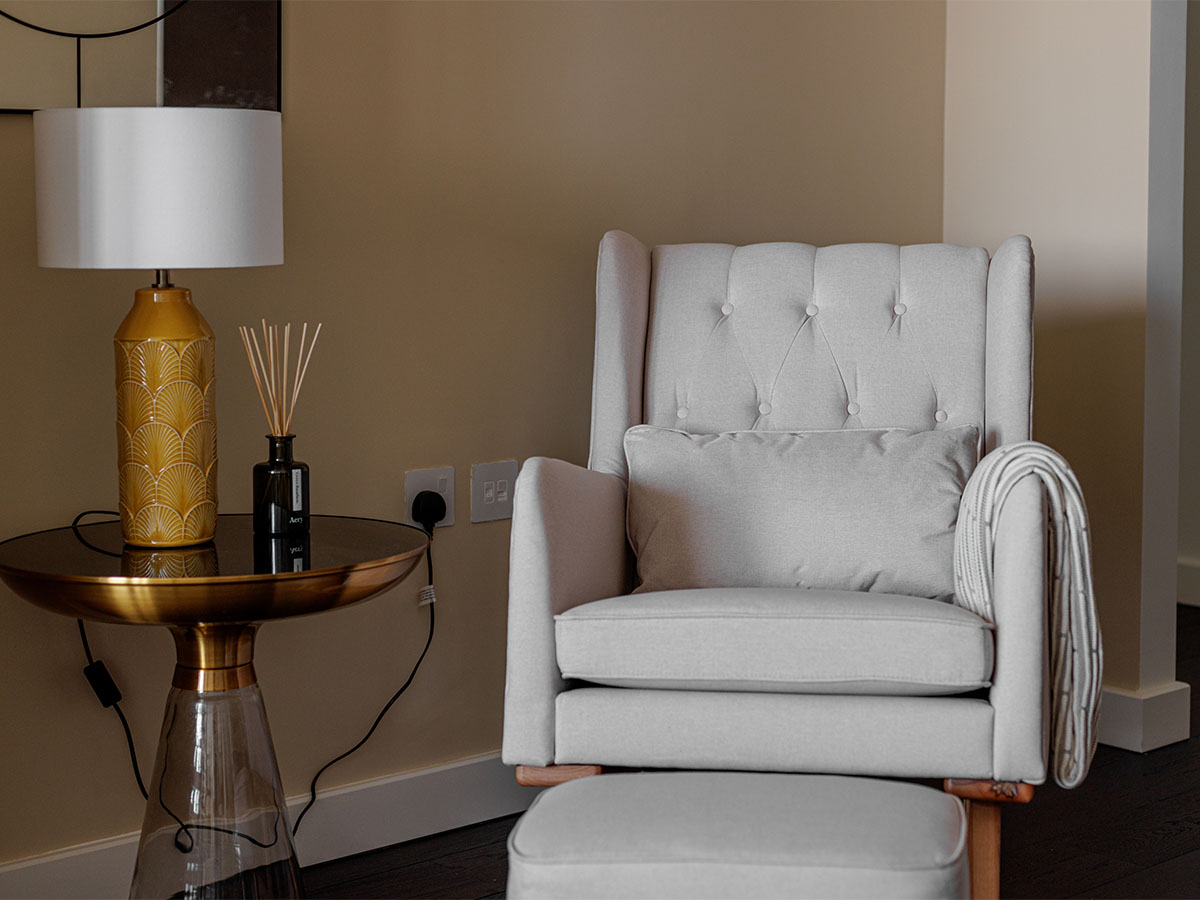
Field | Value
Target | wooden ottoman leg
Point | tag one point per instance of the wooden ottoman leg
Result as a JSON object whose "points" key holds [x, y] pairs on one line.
{"points": [[983, 848], [983, 801], [548, 776]]}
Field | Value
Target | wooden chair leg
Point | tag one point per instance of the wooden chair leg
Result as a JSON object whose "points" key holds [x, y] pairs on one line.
{"points": [[984, 801], [983, 848], [548, 776]]}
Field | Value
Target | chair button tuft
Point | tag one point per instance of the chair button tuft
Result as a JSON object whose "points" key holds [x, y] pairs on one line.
{"points": [[681, 413], [941, 415], [764, 408], [812, 309], [852, 408], [726, 309], [899, 309]]}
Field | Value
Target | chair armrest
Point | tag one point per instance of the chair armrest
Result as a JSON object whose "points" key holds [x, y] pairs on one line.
{"points": [[568, 547], [1019, 597]]}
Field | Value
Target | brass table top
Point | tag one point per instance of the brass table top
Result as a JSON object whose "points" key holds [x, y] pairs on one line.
{"points": [[88, 572]]}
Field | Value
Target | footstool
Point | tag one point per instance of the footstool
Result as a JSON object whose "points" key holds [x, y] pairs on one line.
{"points": [[738, 834]]}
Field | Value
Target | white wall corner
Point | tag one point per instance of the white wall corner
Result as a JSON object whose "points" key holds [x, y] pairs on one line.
{"points": [[344, 821], [1164, 316], [1147, 719], [1187, 582]]}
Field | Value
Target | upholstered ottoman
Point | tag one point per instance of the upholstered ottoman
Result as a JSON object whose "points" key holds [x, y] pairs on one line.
{"points": [[738, 834]]}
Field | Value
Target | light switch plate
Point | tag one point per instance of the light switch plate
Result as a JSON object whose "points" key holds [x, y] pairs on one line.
{"points": [[492, 486], [439, 479]]}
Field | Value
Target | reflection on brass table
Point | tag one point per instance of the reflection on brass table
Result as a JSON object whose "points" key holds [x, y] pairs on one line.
{"points": [[215, 823]]}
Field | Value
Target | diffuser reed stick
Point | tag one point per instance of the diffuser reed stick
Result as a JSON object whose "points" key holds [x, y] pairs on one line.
{"points": [[277, 380]]}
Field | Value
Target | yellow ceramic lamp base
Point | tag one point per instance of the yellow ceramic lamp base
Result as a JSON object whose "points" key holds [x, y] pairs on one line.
{"points": [[166, 421]]}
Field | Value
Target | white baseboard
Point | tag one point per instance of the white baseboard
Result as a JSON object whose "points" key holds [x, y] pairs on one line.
{"points": [[1187, 591], [344, 821], [1148, 719]]}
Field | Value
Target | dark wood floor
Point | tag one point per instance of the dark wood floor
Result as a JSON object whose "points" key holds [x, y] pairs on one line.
{"points": [[1132, 830], [465, 863]]}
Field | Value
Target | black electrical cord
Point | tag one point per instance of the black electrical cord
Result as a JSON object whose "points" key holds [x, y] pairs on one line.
{"points": [[109, 695], [185, 828], [116, 706], [312, 790], [97, 673], [79, 535]]}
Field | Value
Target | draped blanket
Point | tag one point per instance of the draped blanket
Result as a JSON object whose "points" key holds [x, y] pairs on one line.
{"points": [[1076, 657]]}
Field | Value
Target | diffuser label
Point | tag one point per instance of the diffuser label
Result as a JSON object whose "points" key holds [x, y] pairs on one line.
{"points": [[297, 489]]}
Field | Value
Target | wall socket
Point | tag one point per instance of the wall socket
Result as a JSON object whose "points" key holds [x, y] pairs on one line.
{"points": [[492, 490], [440, 479]]}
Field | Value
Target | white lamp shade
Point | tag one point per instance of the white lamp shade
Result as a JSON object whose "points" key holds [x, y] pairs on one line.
{"points": [[158, 188]]}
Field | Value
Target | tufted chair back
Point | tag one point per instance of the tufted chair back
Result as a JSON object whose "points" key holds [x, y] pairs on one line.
{"points": [[782, 337]]}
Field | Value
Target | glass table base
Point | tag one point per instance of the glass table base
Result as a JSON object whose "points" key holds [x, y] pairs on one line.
{"points": [[216, 823]]}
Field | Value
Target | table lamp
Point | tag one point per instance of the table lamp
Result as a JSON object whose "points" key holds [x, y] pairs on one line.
{"points": [[161, 188]]}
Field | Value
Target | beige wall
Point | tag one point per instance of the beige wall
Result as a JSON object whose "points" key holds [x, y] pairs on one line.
{"points": [[38, 70], [449, 170], [1046, 135]]}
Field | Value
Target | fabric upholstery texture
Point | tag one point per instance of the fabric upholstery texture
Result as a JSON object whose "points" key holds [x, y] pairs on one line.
{"points": [[738, 834], [902, 737], [554, 565], [622, 314], [1076, 658], [1009, 355], [858, 510], [789, 336], [776, 639], [962, 342], [1019, 589], [958, 343]]}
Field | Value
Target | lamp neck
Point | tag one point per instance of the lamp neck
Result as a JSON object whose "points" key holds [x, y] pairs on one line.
{"points": [[162, 278]]}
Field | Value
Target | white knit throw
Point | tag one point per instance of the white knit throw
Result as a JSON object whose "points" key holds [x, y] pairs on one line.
{"points": [[1076, 657]]}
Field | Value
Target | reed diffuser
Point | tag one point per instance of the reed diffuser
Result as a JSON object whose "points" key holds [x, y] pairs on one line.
{"points": [[280, 483]]}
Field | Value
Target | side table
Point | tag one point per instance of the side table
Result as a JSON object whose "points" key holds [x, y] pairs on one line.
{"points": [[216, 822]]}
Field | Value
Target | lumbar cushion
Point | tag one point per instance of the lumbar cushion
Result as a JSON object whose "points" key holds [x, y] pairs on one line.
{"points": [[776, 639], [859, 510]]}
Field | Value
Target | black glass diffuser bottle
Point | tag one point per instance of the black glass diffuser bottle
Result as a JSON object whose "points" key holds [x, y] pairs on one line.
{"points": [[280, 483], [280, 491]]}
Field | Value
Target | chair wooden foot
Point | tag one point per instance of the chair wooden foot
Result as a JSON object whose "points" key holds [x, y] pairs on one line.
{"points": [[983, 801], [548, 776]]}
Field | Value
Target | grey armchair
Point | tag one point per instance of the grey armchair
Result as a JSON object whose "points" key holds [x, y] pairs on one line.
{"points": [[962, 356]]}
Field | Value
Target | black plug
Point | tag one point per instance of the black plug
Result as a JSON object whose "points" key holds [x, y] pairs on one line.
{"points": [[429, 508]]}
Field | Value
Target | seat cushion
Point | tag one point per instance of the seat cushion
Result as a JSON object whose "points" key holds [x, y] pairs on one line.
{"points": [[776, 639], [846, 734], [738, 834]]}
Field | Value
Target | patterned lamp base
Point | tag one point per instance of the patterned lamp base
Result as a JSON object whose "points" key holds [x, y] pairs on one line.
{"points": [[166, 421], [182, 562]]}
